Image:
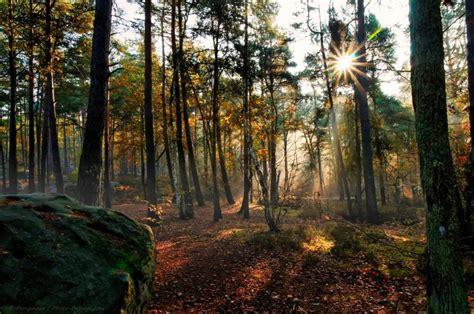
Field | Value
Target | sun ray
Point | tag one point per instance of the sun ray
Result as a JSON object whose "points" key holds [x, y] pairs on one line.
{"points": [[345, 65]]}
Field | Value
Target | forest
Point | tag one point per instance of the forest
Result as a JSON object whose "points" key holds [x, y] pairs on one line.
{"points": [[236, 156]]}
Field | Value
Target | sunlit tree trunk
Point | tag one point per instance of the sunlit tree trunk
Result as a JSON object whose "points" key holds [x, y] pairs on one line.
{"points": [[335, 133], [445, 287]]}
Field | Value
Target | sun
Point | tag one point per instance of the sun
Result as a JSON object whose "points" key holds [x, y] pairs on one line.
{"points": [[345, 62]]}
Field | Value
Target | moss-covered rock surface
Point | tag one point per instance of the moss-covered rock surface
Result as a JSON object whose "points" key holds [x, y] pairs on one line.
{"points": [[58, 255]]}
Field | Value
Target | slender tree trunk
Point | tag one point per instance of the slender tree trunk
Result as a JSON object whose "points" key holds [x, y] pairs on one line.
{"points": [[44, 150], [470, 72], [4, 177], [332, 115], [378, 144], [187, 128], [358, 183], [320, 168], [12, 158], [361, 95], [52, 133], [31, 112], [222, 162], [445, 286], [149, 132], [187, 211], [90, 163], [166, 140], [107, 187], [215, 121], [65, 150], [245, 112]]}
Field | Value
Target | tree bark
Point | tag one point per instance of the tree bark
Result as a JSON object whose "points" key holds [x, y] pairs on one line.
{"points": [[470, 72], [222, 162], [358, 183], [107, 187], [166, 139], [186, 211], [91, 159], [332, 115], [245, 113], [12, 151], [361, 95], [187, 128], [149, 132], [445, 287], [215, 121], [31, 100]]}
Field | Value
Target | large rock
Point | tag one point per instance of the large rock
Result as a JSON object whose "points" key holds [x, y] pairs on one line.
{"points": [[57, 255]]}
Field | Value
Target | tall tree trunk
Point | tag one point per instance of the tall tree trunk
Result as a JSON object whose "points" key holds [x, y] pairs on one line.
{"points": [[222, 162], [65, 150], [215, 121], [445, 286], [320, 168], [187, 128], [52, 134], [186, 211], [31, 101], [378, 144], [332, 115], [358, 183], [90, 163], [12, 158], [149, 132], [44, 150], [470, 72], [361, 95], [107, 187], [4, 177], [245, 112], [166, 139]]}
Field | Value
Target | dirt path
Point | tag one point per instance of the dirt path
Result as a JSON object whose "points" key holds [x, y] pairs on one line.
{"points": [[204, 265]]}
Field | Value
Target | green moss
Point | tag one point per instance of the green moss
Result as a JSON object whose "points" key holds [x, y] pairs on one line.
{"points": [[77, 250]]}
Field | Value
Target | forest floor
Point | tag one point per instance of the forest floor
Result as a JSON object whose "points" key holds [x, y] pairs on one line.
{"points": [[235, 265]]}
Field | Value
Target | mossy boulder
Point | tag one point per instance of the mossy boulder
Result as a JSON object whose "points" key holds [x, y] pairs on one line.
{"points": [[58, 255]]}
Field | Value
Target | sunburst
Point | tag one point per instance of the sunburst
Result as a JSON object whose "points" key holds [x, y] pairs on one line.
{"points": [[346, 64]]}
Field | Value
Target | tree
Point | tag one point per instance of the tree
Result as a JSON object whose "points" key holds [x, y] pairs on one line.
{"points": [[12, 158], [445, 287], [361, 95], [183, 79], [31, 100], [470, 71], [51, 131], [185, 209], [246, 115], [90, 163], [149, 133]]}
